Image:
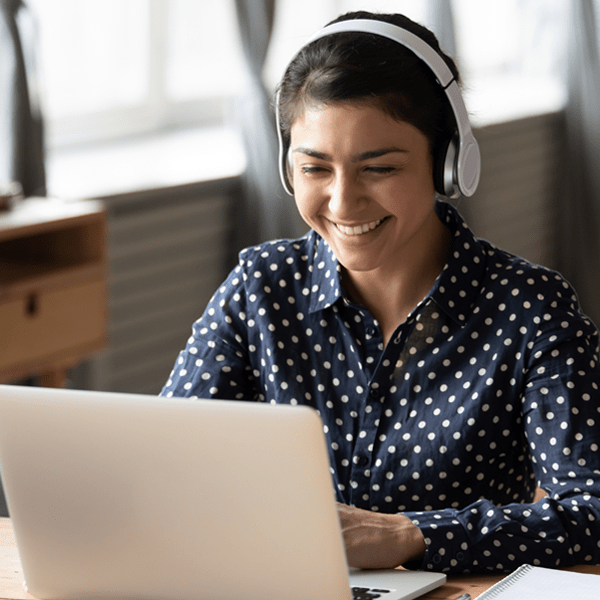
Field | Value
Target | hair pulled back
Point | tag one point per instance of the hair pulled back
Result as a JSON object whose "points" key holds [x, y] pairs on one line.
{"points": [[364, 67]]}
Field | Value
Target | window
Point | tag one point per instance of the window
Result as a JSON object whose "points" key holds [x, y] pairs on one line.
{"points": [[113, 68], [512, 56], [117, 69]]}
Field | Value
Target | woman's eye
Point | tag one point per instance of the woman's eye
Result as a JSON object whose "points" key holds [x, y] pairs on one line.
{"points": [[380, 170], [307, 170]]}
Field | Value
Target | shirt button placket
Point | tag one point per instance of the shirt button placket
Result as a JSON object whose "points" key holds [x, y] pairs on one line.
{"points": [[361, 458], [365, 442], [374, 393], [363, 451]]}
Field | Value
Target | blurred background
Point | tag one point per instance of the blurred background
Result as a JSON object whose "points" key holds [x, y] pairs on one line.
{"points": [[160, 109]]}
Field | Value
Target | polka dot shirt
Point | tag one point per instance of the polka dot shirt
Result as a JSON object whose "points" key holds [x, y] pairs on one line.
{"points": [[487, 390]]}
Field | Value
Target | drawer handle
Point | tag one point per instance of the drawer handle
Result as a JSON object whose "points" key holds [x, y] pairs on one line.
{"points": [[32, 305]]}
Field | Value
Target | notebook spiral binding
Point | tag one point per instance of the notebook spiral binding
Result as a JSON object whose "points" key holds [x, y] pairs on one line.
{"points": [[504, 584]]}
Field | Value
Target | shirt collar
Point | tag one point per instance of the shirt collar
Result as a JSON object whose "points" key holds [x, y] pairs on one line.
{"points": [[325, 280], [454, 291], [457, 287]]}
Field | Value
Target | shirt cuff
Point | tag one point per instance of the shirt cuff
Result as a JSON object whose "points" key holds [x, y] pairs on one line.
{"points": [[446, 540]]}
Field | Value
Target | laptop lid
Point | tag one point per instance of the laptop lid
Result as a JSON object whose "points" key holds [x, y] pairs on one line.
{"points": [[120, 495]]}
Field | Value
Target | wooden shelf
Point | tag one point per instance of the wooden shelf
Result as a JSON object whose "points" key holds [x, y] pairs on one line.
{"points": [[53, 287]]}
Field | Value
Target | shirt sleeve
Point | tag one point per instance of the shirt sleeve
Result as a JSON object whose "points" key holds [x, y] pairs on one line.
{"points": [[561, 413], [215, 362]]}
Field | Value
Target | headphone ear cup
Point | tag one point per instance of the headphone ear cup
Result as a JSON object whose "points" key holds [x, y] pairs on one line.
{"points": [[445, 168]]}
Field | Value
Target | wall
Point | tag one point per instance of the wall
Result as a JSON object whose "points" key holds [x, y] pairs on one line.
{"points": [[513, 205], [169, 249]]}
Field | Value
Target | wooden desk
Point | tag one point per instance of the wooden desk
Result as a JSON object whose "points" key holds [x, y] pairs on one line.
{"points": [[11, 574], [53, 282]]}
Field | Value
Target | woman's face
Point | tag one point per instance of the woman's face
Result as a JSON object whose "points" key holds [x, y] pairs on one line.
{"points": [[364, 182]]}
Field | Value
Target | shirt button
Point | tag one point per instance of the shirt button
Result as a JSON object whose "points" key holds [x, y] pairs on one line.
{"points": [[437, 559], [361, 461], [371, 331], [374, 393], [460, 556]]}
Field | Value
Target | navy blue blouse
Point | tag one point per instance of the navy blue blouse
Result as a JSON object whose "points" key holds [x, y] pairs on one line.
{"points": [[487, 390]]}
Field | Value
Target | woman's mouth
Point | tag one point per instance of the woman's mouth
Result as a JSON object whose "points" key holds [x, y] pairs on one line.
{"points": [[360, 229]]}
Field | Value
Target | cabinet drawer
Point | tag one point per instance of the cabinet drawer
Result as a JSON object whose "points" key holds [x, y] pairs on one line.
{"points": [[41, 325]]}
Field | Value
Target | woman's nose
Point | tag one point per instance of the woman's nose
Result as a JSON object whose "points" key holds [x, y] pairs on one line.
{"points": [[344, 196]]}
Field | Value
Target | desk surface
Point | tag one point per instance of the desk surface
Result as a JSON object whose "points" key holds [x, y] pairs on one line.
{"points": [[11, 574]]}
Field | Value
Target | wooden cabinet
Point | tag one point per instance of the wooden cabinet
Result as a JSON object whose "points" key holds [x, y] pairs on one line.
{"points": [[53, 287]]}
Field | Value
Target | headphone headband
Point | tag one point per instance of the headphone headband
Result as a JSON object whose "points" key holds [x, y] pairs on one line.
{"points": [[402, 36], [462, 164]]}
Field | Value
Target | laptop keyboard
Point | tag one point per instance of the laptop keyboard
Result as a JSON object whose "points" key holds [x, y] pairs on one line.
{"points": [[363, 593]]}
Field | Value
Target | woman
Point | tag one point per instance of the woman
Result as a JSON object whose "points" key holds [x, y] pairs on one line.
{"points": [[452, 378]]}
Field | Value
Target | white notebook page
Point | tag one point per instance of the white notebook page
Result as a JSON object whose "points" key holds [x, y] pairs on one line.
{"points": [[535, 583]]}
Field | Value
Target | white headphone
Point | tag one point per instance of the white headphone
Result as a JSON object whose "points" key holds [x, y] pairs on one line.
{"points": [[460, 165]]}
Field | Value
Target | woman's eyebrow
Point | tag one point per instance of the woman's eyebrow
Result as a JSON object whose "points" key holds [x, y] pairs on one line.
{"points": [[369, 154], [376, 153], [311, 153]]}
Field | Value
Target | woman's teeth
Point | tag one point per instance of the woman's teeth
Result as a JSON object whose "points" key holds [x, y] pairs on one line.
{"points": [[359, 229]]}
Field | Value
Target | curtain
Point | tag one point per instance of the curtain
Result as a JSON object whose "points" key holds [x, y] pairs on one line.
{"points": [[21, 128], [578, 206], [441, 22], [265, 211]]}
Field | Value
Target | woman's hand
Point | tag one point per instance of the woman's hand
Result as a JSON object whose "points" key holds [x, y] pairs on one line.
{"points": [[379, 541]]}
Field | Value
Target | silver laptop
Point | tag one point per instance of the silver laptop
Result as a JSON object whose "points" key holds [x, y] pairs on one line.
{"points": [[130, 496]]}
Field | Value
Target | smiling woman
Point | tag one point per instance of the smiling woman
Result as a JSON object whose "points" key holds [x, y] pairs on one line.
{"points": [[453, 378]]}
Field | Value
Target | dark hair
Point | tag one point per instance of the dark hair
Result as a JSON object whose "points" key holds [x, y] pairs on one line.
{"points": [[364, 67]]}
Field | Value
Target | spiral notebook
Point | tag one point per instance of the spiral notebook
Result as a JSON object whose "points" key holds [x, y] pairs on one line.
{"points": [[546, 584]]}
